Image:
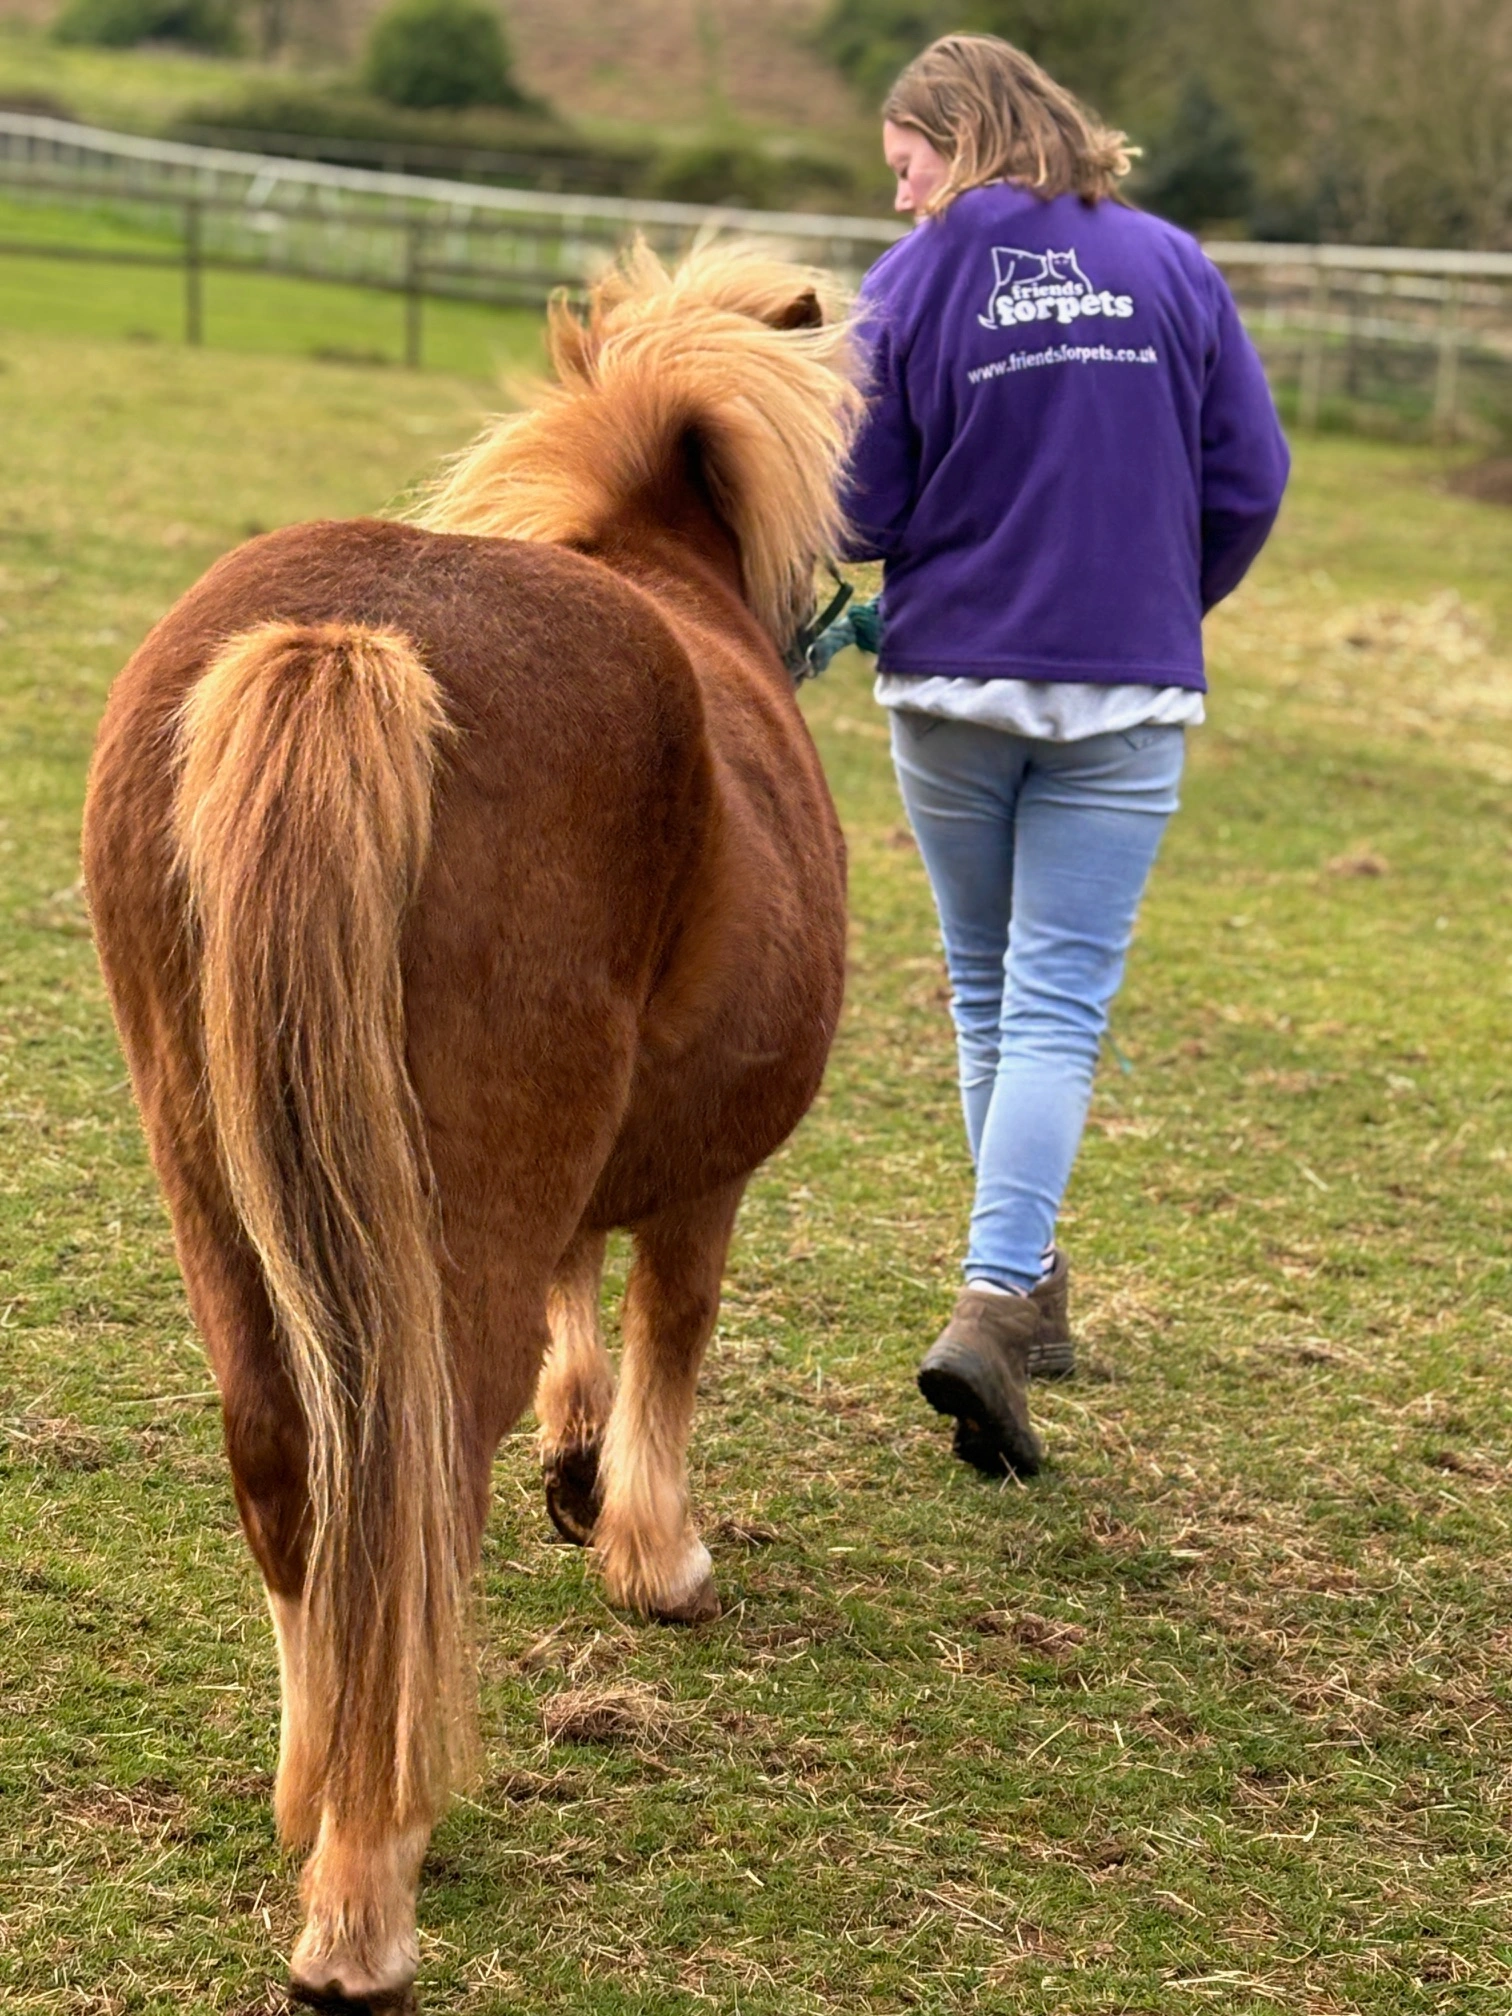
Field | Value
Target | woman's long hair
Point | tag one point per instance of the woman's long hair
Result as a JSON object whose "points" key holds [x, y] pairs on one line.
{"points": [[996, 116]]}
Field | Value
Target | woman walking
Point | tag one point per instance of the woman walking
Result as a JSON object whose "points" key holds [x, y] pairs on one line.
{"points": [[1071, 455]]}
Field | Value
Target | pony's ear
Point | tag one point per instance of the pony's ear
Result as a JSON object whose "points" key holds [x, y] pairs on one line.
{"points": [[807, 312]]}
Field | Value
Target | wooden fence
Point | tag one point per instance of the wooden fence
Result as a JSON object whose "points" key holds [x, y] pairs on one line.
{"points": [[1428, 333], [1425, 336]]}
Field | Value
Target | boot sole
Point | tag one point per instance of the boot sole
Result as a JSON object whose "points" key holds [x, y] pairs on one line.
{"points": [[987, 1444], [1052, 1361]]}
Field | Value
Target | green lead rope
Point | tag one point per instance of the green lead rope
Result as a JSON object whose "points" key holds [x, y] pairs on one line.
{"points": [[800, 657], [832, 631]]}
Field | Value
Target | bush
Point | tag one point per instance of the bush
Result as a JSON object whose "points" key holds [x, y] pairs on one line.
{"points": [[431, 53], [484, 143], [1199, 173], [122, 24]]}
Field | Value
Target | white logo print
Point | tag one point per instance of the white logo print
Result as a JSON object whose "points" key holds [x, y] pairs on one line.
{"points": [[1039, 286]]}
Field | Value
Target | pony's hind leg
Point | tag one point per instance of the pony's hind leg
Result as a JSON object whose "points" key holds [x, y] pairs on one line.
{"points": [[358, 1951], [648, 1547], [359, 1884], [296, 1790], [575, 1391], [267, 1450]]}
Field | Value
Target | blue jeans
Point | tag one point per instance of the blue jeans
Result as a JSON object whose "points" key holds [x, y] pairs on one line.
{"points": [[1038, 854]]}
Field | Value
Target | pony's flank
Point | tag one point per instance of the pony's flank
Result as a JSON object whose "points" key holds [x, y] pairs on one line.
{"points": [[302, 824], [735, 350]]}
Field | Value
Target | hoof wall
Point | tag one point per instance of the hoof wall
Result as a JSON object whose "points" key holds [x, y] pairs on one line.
{"points": [[572, 1492], [702, 1607], [389, 2002]]}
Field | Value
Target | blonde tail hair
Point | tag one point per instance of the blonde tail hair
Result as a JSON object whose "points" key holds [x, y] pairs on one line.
{"points": [[302, 824]]}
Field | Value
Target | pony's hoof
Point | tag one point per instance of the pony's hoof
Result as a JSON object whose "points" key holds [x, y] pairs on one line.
{"points": [[386, 2002], [572, 1491], [375, 1978], [701, 1607]]}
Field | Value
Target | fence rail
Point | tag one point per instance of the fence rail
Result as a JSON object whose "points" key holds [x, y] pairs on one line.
{"points": [[55, 153], [1366, 324], [1426, 331]]}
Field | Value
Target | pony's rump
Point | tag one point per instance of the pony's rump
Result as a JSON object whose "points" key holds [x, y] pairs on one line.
{"points": [[301, 824]]}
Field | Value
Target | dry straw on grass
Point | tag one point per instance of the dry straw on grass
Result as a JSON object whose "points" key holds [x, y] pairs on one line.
{"points": [[631, 1713], [60, 1443]]}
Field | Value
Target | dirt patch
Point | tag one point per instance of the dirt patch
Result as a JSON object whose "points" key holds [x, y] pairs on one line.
{"points": [[35, 104], [526, 1788], [151, 1811], [1358, 861], [1444, 630], [669, 62], [1488, 482], [1037, 1634]]}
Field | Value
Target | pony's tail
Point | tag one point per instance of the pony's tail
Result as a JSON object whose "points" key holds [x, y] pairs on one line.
{"points": [[302, 824]]}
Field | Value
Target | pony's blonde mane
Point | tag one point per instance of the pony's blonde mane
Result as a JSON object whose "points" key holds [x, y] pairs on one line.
{"points": [[733, 348]]}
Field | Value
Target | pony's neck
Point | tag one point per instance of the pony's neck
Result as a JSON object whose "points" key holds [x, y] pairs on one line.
{"points": [[671, 536]]}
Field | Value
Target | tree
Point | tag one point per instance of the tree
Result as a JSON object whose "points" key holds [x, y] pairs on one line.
{"points": [[869, 41], [1384, 121], [1199, 171], [1395, 117]]}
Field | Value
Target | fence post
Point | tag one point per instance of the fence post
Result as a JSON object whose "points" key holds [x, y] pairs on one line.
{"points": [[194, 306], [1310, 401], [1352, 321], [1446, 377], [414, 277]]}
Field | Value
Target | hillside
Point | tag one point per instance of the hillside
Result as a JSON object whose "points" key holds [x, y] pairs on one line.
{"points": [[676, 65], [680, 62]]}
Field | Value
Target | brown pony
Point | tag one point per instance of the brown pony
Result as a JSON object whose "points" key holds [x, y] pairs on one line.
{"points": [[466, 889]]}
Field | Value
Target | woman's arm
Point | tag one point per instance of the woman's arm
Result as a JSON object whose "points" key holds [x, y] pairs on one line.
{"points": [[880, 487], [1245, 460]]}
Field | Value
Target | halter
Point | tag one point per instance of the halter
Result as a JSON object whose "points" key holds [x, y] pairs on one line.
{"points": [[799, 660]]}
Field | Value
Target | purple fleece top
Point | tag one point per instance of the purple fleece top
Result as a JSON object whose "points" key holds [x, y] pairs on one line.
{"points": [[1071, 451]]}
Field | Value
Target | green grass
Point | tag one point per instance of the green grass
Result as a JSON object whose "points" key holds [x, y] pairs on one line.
{"points": [[127, 90], [1213, 1715], [248, 311]]}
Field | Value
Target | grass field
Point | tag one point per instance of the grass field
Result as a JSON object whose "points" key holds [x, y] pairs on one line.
{"points": [[251, 311], [1214, 1715]]}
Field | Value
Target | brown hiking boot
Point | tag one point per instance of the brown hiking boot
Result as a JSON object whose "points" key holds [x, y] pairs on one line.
{"points": [[1052, 1355], [978, 1370]]}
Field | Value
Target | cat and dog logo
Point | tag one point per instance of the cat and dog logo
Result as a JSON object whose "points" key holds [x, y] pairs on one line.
{"points": [[1045, 286]]}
